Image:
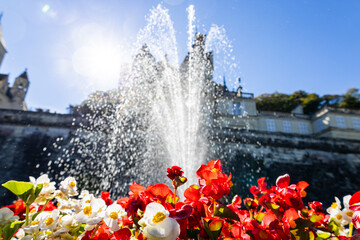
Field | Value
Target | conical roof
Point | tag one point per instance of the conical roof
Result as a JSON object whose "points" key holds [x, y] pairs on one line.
{"points": [[24, 74], [2, 40], [3, 76]]}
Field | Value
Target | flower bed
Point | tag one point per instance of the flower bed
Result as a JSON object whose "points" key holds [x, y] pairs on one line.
{"points": [[155, 212]]}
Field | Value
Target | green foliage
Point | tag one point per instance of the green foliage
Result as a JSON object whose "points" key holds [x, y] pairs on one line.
{"points": [[225, 212], [212, 234], [20, 189], [311, 102], [24, 190], [351, 99], [10, 229]]}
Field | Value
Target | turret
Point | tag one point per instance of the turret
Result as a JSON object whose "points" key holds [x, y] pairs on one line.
{"points": [[2, 43], [4, 83], [19, 89]]}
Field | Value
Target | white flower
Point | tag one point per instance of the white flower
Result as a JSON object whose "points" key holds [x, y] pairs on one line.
{"points": [[69, 187], [113, 213], [347, 213], [157, 224], [20, 234], [86, 198], [47, 190], [7, 216], [91, 212], [48, 220], [335, 212], [84, 193], [89, 227], [69, 206], [61, 231], [66, 220]]}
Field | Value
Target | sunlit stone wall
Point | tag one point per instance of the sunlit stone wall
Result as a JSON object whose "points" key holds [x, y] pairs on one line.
{"points": [[25, 138]]}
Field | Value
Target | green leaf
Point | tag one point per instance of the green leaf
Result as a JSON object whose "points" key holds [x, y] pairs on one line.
{"points": [[213, 235], [10, 229], [20, 189], [314, 218], [225, 212], [303, 223], [333, 227], [323, 235], [35, 193]]}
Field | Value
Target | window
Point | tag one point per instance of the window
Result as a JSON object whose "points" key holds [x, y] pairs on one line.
{"points": [[235, 108], [340, 122], [270, 125], [231, 108], [356, 123], [287, 126], [319, 125], [303, 128]]}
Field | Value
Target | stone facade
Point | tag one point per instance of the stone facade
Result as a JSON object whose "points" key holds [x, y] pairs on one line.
{"points": [[26, 143], [236, 111], [12, 97]]}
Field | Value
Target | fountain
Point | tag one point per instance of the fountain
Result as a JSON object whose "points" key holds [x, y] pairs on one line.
{"points": [[160, 115]]}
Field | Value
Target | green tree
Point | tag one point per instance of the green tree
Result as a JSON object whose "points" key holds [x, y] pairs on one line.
{"points": [[311, 103], [351, 99]]}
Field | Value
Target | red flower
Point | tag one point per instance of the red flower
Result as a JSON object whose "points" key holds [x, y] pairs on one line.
{"points": [[261, 188], [19, 208], [283, 181], [354, 202], [106, 197], [123, 234], [174, 171], [213, 182], [49, 207]]}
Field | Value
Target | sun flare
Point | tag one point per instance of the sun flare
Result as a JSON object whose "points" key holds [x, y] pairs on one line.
{"points": [[99, 58]]}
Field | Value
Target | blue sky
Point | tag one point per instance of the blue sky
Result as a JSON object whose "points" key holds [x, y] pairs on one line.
{"points": [[278, 45]]}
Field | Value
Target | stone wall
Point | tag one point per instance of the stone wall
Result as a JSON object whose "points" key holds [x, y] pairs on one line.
{"points": [[331, 166], [24, 136]]}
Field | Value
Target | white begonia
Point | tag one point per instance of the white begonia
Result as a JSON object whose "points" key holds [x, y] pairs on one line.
{"points": [[48, 220], [33, 227], [84, 193], [113, 213], [335, 212], [157, 224], [47, 190], [69, 186], [61, 231], [7, 216], [69, 206], [60, 195], [66, 220], [20, 234], [347, 213], [89, 227], [86, 199], [92, 211]]}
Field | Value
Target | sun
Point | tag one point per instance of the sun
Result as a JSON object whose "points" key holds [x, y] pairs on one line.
{"points": [[99, 58]]}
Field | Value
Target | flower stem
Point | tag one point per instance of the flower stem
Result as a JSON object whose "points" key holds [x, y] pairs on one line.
{"points": [[95, 230], [43, 208], [351, 225], [214, 206], [27, 215], [175, 189]]}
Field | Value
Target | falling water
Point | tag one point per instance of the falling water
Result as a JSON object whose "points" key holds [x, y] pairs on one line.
{"points": [[160, 115]]}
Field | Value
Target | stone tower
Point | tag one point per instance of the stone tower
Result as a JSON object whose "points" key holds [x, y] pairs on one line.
{"points": [[12, 97], [19, 89], [2, 43]]}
